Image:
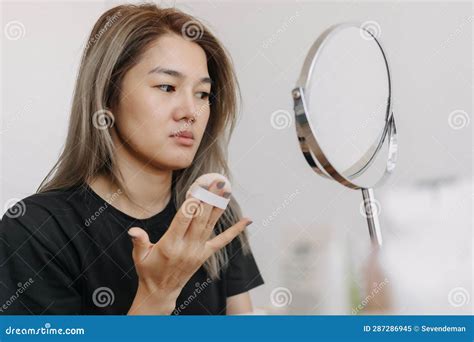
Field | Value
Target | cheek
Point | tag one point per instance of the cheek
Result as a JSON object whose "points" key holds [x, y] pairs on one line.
{"points": [[141, 121], [203, 122]]}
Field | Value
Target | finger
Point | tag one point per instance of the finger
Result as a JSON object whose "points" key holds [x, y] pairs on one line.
{"points": [[184, 216], [141, 243], [227, 236], [213, 218], [200, 220]]}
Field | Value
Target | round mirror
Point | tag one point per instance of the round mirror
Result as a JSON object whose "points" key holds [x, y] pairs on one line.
{"points": [[343, 111]]}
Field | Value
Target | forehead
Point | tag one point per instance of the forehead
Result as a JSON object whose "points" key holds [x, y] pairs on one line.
{"points": [[174, 52]]}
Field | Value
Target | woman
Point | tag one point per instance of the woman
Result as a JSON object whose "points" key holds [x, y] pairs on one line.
{"points": [[153, 108]]}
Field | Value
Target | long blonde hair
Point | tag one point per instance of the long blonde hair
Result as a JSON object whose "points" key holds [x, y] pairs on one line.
{"points": [[117, 41]]}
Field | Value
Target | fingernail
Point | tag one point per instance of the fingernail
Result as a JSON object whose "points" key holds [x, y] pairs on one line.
{"points": [[226, 194], [248, 223], [128, 232], [220, 185]]}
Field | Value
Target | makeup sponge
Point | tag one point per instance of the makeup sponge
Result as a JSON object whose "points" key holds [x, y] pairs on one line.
{"points": [[199, 190]]}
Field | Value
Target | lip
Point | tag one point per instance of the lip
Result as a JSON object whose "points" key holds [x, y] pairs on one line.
{"points": [[185, 138], [185, 134]]}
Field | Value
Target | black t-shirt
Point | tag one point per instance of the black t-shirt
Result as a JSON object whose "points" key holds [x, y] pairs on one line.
{"points": [[68, 252]]}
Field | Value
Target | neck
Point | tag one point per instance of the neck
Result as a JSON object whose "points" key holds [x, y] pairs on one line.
{"points": [[148, 188]]}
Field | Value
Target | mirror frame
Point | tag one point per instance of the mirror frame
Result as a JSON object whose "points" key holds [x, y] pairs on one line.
{"points": [[309, 145]]}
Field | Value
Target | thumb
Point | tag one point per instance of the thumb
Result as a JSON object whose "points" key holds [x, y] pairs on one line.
{"points": [[141, 243]]}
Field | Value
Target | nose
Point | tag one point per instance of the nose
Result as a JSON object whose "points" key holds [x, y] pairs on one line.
{"points": [[186, 109]]}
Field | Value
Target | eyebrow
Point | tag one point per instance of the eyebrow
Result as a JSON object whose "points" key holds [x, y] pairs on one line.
{"points": [[177, 74]]}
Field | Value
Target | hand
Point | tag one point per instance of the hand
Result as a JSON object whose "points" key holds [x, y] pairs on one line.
{"points": [[165, 267]]}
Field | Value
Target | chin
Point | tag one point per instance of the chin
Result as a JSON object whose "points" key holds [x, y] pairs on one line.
{"points": [[171, 160], [178, 164]]}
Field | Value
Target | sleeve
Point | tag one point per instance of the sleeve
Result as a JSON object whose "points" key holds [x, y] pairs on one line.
{"points": [[35, 276], [242, 274]]}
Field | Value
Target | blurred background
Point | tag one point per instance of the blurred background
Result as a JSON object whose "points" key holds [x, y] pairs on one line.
{"points": [[309, 237]]}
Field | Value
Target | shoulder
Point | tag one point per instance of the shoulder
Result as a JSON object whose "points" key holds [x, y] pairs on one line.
{"points": [[54, 199], [44, 215]]}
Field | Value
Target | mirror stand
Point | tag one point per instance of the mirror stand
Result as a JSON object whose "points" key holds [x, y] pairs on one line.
{"points": [[372, 215]]}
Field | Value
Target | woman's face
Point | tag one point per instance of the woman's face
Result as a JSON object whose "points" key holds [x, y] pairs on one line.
{"points": [[164, 104]]}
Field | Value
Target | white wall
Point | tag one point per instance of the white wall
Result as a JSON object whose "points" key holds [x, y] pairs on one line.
{"points": [[429, 49]]}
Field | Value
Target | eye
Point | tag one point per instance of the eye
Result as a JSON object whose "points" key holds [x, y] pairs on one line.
{"points": [[165, 87], [203, 95]]}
